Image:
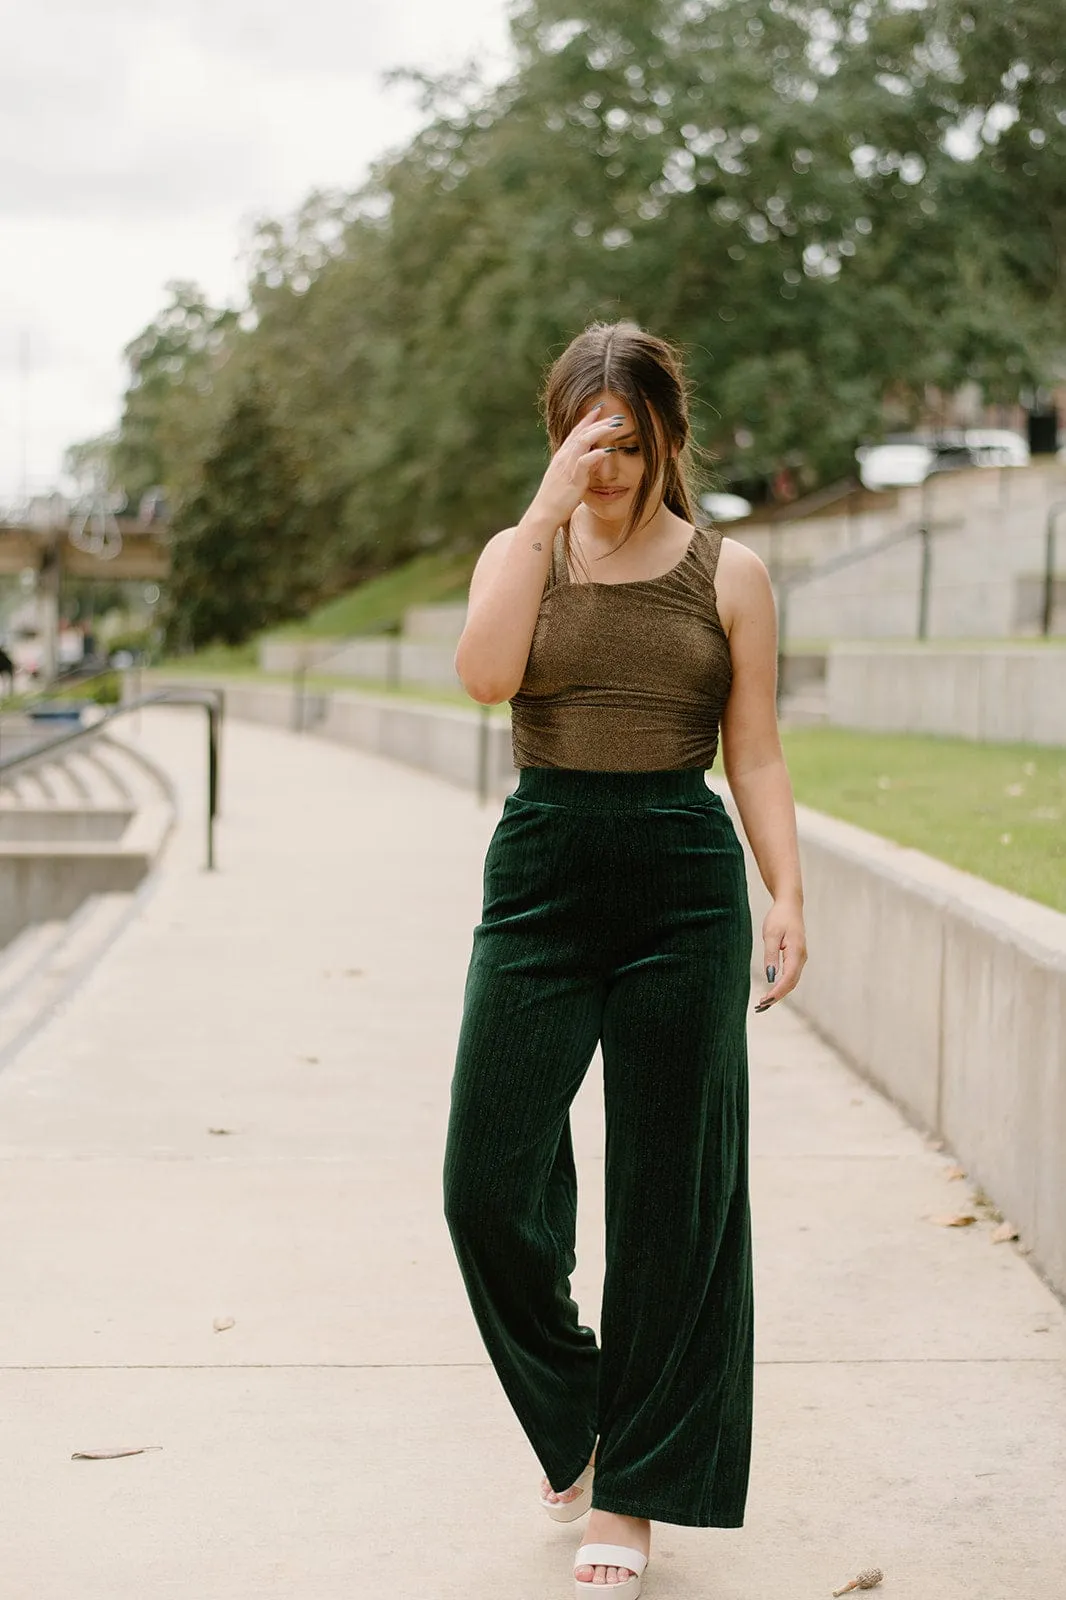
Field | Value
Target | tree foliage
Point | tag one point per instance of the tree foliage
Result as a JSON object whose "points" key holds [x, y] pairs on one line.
{"points": [[241, 555], [172, 401], [831, 206]]}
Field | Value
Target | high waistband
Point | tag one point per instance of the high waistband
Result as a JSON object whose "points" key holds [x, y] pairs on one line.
{"points": [[612, 791]]}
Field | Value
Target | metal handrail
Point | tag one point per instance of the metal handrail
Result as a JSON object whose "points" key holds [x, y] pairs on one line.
{"points": [[299, 720], [212, 701], [808, 505], [299, 683], [847, 558], [1047, 610], [919, 530], [68, 680], [301, 669], [59, 685]]}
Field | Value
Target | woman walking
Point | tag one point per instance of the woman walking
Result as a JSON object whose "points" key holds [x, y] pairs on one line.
{"points": [[616, 913]]}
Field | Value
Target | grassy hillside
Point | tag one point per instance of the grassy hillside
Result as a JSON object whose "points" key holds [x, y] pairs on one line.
{"points": [[379, 604]]}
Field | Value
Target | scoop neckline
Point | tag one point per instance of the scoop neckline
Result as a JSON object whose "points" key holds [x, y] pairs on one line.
{"points": [[634, 583]]}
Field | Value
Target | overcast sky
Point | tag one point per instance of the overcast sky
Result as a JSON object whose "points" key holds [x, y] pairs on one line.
{"points": [[137, 140]]}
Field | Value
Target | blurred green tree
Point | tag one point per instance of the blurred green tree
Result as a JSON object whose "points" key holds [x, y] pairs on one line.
{"points": [[833, 205], [175, 393], [241, 555]]}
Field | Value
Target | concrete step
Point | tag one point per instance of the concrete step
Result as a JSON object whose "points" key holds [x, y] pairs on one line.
{"points": [[26, 787], [806, 708], [102, 773], [91, 768], [19, 959], [52, 965], [63, 789], [16, 732], [136, 777]]}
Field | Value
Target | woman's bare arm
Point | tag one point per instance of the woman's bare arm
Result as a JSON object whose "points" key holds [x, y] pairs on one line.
{"points": [[754, 761], [505, 594], [508, 581]]}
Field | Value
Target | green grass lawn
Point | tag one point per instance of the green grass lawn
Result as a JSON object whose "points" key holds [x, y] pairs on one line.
{"points": [[998, 811], [380, 603], [232, 659]]}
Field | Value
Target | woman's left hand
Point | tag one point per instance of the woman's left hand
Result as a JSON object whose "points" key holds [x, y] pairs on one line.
{"points": [[785, 950]]}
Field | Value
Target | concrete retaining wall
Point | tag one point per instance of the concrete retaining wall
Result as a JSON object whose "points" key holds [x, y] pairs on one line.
{"points": [[950, 995], [1007, 694], [441, 623], [451, 744], [396, 662], [946, 992], [389, 660], [987, 554]]}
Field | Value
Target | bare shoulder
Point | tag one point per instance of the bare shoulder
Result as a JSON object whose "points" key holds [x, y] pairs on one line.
{"points": [[490, 559], [742, 583], [492, 551]]}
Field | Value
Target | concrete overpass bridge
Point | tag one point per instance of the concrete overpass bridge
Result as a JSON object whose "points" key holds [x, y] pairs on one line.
{"points": [[67, 547], [143, 553]]}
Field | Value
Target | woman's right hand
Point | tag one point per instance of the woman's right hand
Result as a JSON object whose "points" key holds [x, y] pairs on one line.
{"points": [[566, 481]]}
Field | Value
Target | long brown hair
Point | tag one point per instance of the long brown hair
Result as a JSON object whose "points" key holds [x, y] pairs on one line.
{"points": [[645, 371]]}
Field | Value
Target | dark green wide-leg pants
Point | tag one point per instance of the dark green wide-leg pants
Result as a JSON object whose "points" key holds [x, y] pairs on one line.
{"points": [[615, 912]]}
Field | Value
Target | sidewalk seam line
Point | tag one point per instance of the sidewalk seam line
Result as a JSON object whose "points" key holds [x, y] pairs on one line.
{"points": [[484, 1366]]}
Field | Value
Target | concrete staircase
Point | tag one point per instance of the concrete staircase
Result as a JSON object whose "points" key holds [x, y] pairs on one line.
{"points": [[46, 961], [80, 831], [988, 531], [806, 707]]}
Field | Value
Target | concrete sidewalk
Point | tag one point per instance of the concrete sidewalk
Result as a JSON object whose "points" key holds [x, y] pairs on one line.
{"points": [[346, 1437]]}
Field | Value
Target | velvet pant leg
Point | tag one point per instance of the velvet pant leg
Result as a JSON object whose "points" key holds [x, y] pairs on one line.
{"points": [[510, 1190], [615, 912]]}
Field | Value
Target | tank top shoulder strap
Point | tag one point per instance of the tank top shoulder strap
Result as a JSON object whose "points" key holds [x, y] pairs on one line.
{"points": [[557, 572], [708, 547]]}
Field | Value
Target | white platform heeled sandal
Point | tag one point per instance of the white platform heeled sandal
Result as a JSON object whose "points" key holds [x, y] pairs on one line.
{"points": [[570, 1510], [610, 1555]]}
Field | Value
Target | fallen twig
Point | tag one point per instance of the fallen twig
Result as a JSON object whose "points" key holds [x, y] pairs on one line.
{"points": [[109, 1455]]}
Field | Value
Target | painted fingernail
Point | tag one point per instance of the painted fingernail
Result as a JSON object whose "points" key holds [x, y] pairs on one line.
{"points": [[616, 422], [771, 974], [609, 449]]}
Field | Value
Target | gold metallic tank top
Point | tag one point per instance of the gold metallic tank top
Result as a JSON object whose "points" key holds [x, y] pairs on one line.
{"points": [[626, 677]]}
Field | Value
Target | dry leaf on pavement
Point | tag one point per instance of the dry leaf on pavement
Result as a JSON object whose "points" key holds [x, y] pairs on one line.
{"points": [[958, 1219], [953, 1173], [220, 1324], [1005, 1231]]}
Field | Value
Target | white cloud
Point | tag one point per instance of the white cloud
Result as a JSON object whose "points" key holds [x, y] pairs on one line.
{"points": [[137, 139]]}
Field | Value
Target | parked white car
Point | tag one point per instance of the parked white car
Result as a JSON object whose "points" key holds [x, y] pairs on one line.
{"points": [[911, 458], [997, 447], [725, 507]]}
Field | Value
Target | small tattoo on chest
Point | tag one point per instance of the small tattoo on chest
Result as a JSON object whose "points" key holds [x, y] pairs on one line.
{"points": [[538, 546]]}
